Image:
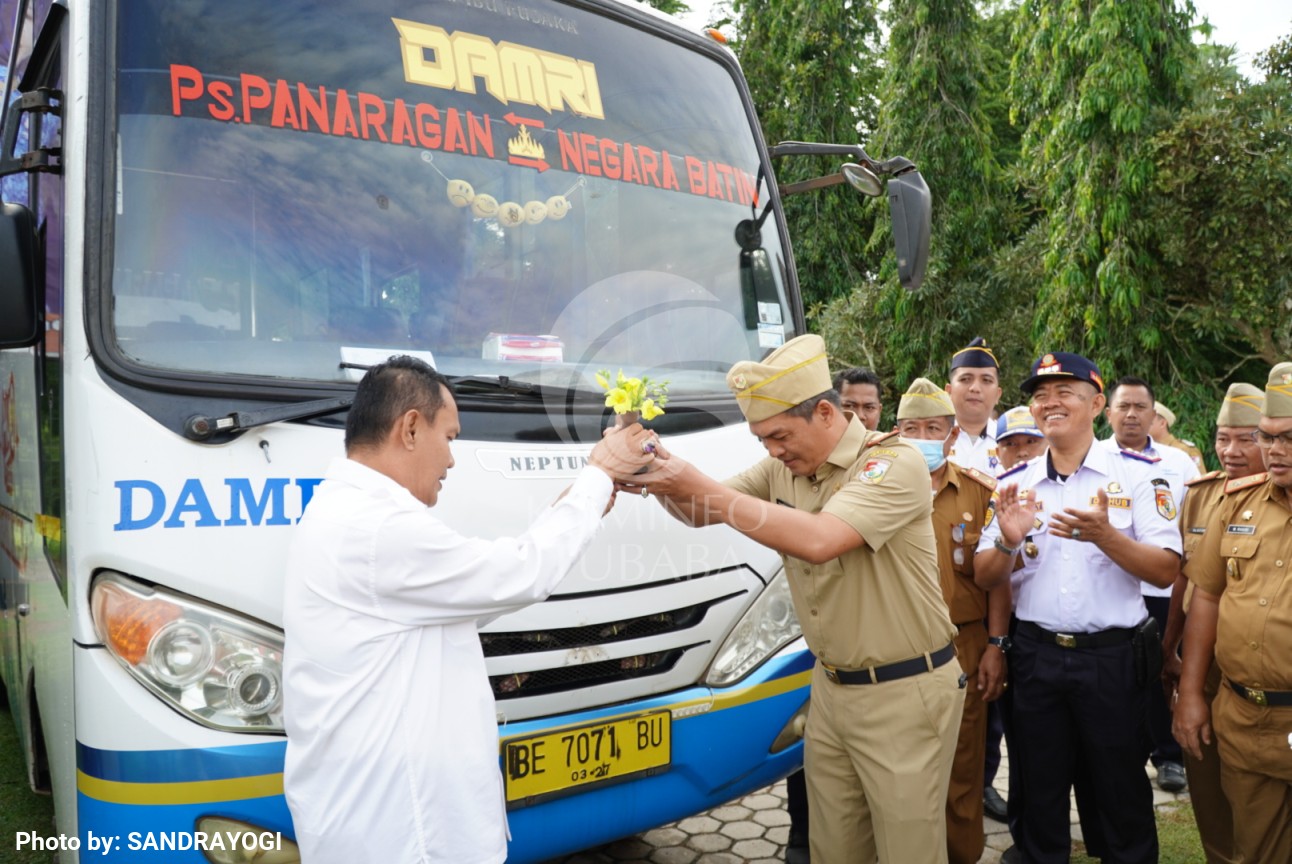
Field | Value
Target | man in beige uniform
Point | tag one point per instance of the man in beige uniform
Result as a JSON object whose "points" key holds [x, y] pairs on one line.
{"points": [[1160, 431], [1242, 610], [961, 507], [1240, 457], [849, 511]]}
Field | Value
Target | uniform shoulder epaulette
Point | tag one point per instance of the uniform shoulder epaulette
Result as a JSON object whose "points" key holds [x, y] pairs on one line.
{"points": [[984, 479], [1205, 478], [884, 437], [1246, 482], [1019, 467], [1143, 457]]}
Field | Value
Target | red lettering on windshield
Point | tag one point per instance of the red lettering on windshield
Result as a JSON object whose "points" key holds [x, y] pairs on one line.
{"points": [[362, 115]]}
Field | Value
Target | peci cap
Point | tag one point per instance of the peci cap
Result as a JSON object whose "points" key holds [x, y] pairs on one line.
{"points": [[793, 373], [1242, 406], [924, 399], [1017, 421], [975, 355], [1165, 413], [1062, 364], [1278, 391]]}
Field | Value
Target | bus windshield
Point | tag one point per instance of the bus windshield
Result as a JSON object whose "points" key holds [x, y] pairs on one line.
{"points": [[528, 190]]}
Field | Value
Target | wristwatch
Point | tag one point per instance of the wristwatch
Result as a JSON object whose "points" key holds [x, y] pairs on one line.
{"points": [[1004, 643]]}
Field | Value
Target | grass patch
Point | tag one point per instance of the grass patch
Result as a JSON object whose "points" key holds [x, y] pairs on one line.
{"points": [[1177, 836], [20, 808]]}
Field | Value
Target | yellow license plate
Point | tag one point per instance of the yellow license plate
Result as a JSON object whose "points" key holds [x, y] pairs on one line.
{"points": [[543, 766]]}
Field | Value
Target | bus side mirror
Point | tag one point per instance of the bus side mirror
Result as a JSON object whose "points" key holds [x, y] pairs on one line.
{"points": [[911, 207], [19, 318]]}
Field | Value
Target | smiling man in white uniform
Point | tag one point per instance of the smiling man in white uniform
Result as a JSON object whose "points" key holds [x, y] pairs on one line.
{"points": [[392, 742]]}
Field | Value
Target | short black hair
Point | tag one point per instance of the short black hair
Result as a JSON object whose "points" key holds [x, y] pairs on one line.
{"points": [[389, 389], [807, 407], [1131, 381], [859, 375]]}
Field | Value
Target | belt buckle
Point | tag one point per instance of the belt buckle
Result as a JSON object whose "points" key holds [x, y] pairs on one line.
{"points": [[829, 673], [1257, 696], [1065, 640]]}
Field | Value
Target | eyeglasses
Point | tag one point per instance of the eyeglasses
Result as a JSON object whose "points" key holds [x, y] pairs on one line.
{"points": [[1266, 440]]}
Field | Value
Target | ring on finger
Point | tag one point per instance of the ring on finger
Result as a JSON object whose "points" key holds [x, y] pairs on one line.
{"points": [[1076, 533]]}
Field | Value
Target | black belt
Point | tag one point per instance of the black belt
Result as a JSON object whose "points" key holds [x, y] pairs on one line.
{"points": [[1264, 698], [1102, 639], [893, 671]]}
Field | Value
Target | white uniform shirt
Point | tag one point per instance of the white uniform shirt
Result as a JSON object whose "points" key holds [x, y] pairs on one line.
{"points": [[976, 451], [1177, 468], [1070, 586], [392, 736]]}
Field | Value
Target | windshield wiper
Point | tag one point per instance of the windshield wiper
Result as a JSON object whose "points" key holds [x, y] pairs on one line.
{"points": [[203, 428], [476, 385]]}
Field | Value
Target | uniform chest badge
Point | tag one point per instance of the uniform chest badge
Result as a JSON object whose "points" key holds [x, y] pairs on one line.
{"points": [[1165, 501], [874, 470], [1114, 488], [1030, 550], [1247, 514]]}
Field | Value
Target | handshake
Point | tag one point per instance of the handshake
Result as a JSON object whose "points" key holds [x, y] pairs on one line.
{"points": [[631, 456]]}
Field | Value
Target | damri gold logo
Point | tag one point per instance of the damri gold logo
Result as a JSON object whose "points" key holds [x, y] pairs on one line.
{"points": [[510, 72]]}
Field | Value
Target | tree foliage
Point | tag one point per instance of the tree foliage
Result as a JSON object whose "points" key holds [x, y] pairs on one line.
{"points": [[812, 70], [932, 111], [1090, 80], [1102, 184]]}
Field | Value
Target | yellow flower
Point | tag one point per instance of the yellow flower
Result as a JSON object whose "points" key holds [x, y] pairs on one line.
{"points": [[633, 394], [619, 400], [633, 387]]}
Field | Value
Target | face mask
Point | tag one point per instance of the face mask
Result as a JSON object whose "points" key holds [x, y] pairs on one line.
{"points": [[932, 450]]}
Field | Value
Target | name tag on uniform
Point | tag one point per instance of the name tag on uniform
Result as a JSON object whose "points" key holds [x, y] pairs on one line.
{"points": [[1241, 529], [1197, 530]]}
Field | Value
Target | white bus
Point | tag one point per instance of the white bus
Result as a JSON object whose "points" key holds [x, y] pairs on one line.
{"points": [[216, 215]]}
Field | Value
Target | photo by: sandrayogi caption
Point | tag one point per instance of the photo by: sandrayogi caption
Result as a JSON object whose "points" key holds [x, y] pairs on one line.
{"points": [[152, 841]]}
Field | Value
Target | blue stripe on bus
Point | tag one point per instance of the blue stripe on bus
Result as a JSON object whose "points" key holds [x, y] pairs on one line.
{"points": [[210, 763]]}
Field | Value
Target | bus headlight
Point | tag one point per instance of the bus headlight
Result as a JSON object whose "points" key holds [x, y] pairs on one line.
{"points": [[768, 625], [221, 669]]}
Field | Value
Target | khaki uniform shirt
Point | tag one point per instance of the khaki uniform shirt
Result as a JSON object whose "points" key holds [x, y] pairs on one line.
{"points": [[960, 510], [879, 603], [1205, 493], [1188, 447], [1244, 557]]}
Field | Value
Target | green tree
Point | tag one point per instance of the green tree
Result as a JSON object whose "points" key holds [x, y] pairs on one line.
{"points": [[933, 112], [1091, 80], [812, 70], [671, 7], [1222, 207]]}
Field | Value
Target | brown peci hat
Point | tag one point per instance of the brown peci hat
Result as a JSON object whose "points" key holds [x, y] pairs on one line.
{"points": [[924, 399], [793, 373], [1242, 406], [1278, 391]]}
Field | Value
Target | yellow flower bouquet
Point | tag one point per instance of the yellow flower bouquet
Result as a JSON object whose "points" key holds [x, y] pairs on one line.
{"points": [[633, 397]]}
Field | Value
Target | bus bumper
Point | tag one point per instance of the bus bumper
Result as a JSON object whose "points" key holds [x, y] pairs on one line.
{"points": [[721, 750]]}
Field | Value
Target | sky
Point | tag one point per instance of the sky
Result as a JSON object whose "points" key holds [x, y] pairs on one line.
{"points": [[1250, 25]]}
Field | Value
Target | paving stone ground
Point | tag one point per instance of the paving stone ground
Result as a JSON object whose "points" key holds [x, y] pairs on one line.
{"points": [[754, 830]]}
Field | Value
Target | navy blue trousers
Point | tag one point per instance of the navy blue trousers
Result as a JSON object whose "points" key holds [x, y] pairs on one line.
{"points": [[1080, 707]]}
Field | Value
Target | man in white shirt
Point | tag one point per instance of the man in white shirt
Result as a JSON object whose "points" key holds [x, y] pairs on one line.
{"points": [[1130, 411], [975, 389], [392, 742], [1076, 531]]}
